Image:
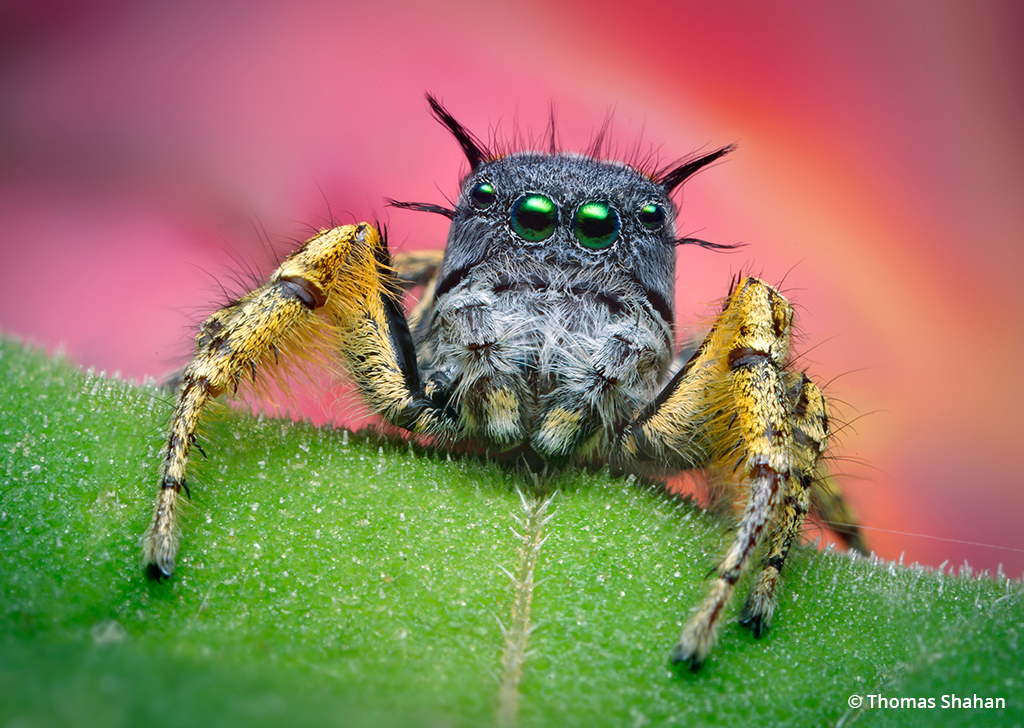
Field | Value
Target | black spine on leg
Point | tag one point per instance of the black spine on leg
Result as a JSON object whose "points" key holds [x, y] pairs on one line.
{"points": [[401, 342], [400, 338], [398, 326]]}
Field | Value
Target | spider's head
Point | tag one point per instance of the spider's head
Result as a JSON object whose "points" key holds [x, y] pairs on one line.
{"points": [[563, 209]]}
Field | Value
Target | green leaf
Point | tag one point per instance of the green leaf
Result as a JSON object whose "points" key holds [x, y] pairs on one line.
{"points": [[328, 578]]}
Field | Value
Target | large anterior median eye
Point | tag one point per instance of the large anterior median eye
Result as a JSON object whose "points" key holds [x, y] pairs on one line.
{"points": [[534, 217], [596, 225]]}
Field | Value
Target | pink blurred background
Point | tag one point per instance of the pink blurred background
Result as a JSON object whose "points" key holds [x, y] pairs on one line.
{"points": [[150, 151]]}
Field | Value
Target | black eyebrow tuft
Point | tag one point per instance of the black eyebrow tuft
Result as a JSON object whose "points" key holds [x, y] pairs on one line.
{"points": [[675, 175], [472, 147]]}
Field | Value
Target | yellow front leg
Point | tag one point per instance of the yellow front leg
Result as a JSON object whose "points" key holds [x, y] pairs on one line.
{"points": [[729, 410], [331, 283]]}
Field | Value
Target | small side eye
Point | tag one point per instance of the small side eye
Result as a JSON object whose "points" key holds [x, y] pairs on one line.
{"points": [[534, 218], [482, 195], [596, 225], [652, 216]]}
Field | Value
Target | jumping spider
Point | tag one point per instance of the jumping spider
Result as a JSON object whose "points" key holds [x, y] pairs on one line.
{"points": [[546, 333]]}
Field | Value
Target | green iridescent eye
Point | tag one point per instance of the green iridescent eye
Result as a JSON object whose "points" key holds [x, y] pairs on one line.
{"points": [[596, 225], [482, 195], [534, 218], [652, 216]]}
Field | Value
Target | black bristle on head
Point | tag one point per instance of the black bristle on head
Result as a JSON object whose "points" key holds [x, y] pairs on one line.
{"points": [[422, 207], [552, 134], [675, 176], [706, 244], [472, 147], [597, 148]]}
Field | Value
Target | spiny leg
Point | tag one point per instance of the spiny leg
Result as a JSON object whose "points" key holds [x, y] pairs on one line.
{"points": [[809, 412], [727, 409], [811, 488], [339, 282], [764, 466]]}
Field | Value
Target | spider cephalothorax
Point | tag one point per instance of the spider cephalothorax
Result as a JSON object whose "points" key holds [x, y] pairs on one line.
{"points": [[552, 321], [546, 333]]}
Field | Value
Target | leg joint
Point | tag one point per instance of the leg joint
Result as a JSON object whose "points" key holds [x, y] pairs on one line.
{"points": [[310, 294], [745, 357], [171, 483]]}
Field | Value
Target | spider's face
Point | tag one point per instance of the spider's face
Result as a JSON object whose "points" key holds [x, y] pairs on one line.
{"points": [[605, 221], [552, 318], [552, 321]]}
